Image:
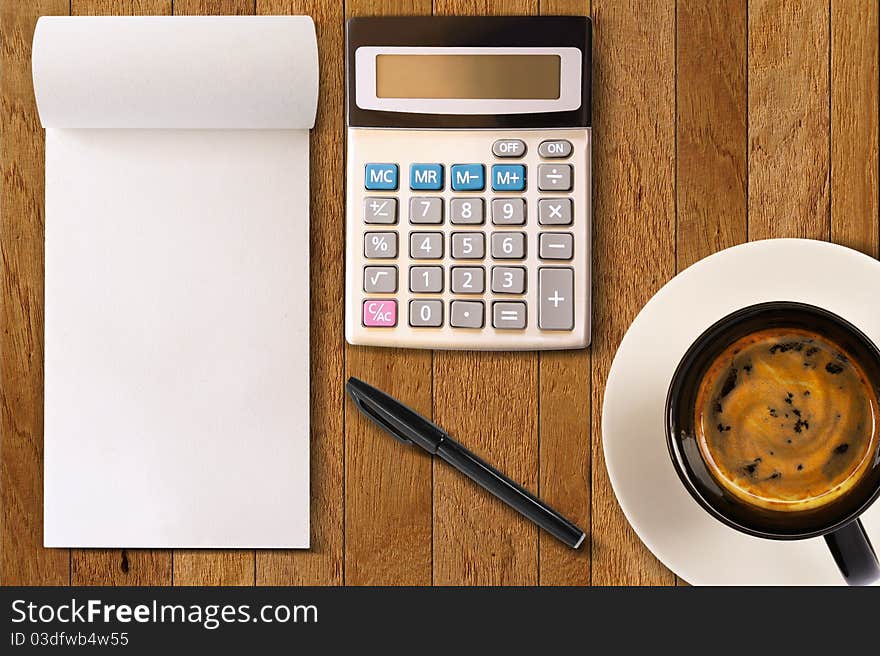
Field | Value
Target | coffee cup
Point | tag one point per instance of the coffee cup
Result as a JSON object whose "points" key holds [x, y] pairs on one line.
{"points": [[773, 427]]}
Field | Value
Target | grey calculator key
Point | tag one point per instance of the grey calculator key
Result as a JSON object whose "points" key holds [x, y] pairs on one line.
{"points": [[508, 245], [380, 279], [468, 245], [466, 314], [426, 245], [555, 148], [508, 211], [425, 209], [554, 177], [380, 210], [554, 211], [427, 313], [509, 148], [468, 280], [508, 280], [555, 246], [556, 298], [466, 211], [426, 279], [380, 245], [509, 315]]}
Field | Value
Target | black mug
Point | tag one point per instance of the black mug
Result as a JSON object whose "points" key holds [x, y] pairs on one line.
{"points": [[837, 521]]}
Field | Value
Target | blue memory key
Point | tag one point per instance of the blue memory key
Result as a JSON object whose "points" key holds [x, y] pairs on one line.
{"points": [[508, 177], [468, 177], [381, 177], [426, 177]]}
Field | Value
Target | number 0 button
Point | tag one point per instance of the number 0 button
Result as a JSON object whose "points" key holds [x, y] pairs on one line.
{"points": [[426, 313]]}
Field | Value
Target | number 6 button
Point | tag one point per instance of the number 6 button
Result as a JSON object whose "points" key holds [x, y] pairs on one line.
{"points": [[508, 245]]}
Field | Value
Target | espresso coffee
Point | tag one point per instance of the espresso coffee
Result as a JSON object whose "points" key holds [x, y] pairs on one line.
{"points": [[786, 420]]}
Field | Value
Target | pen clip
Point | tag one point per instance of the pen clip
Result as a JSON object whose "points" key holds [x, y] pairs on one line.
{"points": [[367, 410]]}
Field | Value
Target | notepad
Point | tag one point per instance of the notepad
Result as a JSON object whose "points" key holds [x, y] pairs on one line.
{"points": [[177, 279]]}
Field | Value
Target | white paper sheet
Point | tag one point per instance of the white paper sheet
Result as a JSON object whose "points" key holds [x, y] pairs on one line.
{"points": [[177, 280]]}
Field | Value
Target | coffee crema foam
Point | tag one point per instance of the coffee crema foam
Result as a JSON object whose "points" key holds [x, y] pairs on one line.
{"points": [[786, 420]]}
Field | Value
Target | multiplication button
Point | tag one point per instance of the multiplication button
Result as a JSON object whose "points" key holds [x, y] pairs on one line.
{"points": [[554, 211]]}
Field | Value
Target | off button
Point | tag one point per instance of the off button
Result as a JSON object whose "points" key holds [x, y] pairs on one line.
{"points": [[509, 148]]}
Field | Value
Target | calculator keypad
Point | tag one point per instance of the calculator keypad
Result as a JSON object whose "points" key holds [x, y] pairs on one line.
{"points": [[487, 248]]}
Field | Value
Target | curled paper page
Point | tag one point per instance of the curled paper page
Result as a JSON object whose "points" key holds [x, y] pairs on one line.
{"points": [[176, 72], [176, 371]]}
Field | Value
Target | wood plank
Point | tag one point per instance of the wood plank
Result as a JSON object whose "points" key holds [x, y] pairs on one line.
{"points": [[23, 560], [564, 432], [388, 527], [711, 137], [213, 7], [213, 566], [711, 128], [854, 120], [115, 566], [322, 563], [488, 401], [634, 229], [788, 101]]}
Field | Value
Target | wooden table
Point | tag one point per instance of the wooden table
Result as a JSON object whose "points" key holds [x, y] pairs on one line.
{"points": [[715, 122]]}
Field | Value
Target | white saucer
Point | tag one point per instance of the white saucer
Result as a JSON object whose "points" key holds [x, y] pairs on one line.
{"points": [[689, 541]]}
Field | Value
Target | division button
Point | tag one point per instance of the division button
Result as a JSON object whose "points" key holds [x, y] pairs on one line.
{"points": [[554, 177]]}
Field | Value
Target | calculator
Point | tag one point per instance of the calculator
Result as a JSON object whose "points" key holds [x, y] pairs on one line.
{"points": [[468, 201]]}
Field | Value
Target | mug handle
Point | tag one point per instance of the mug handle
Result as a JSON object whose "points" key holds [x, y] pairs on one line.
{"points": [[854, 554]]}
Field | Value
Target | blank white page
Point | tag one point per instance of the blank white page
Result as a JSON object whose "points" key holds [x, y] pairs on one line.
{"points": [[177, 317]]}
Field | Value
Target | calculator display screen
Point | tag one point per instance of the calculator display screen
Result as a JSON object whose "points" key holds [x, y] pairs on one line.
{"points": [[483, 76]]}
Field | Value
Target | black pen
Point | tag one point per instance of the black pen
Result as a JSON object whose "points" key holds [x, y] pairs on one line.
{"points": [[410, 427]]}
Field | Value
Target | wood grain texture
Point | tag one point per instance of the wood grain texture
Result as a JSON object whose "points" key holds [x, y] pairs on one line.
{"points": [[488, 401], [854, 122], [634, 229], [322, 564], [214, 7], [564, 452], [711, 138], [23, 560], [714, 122], [213, 566], [789, 193], [388, 531]]}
